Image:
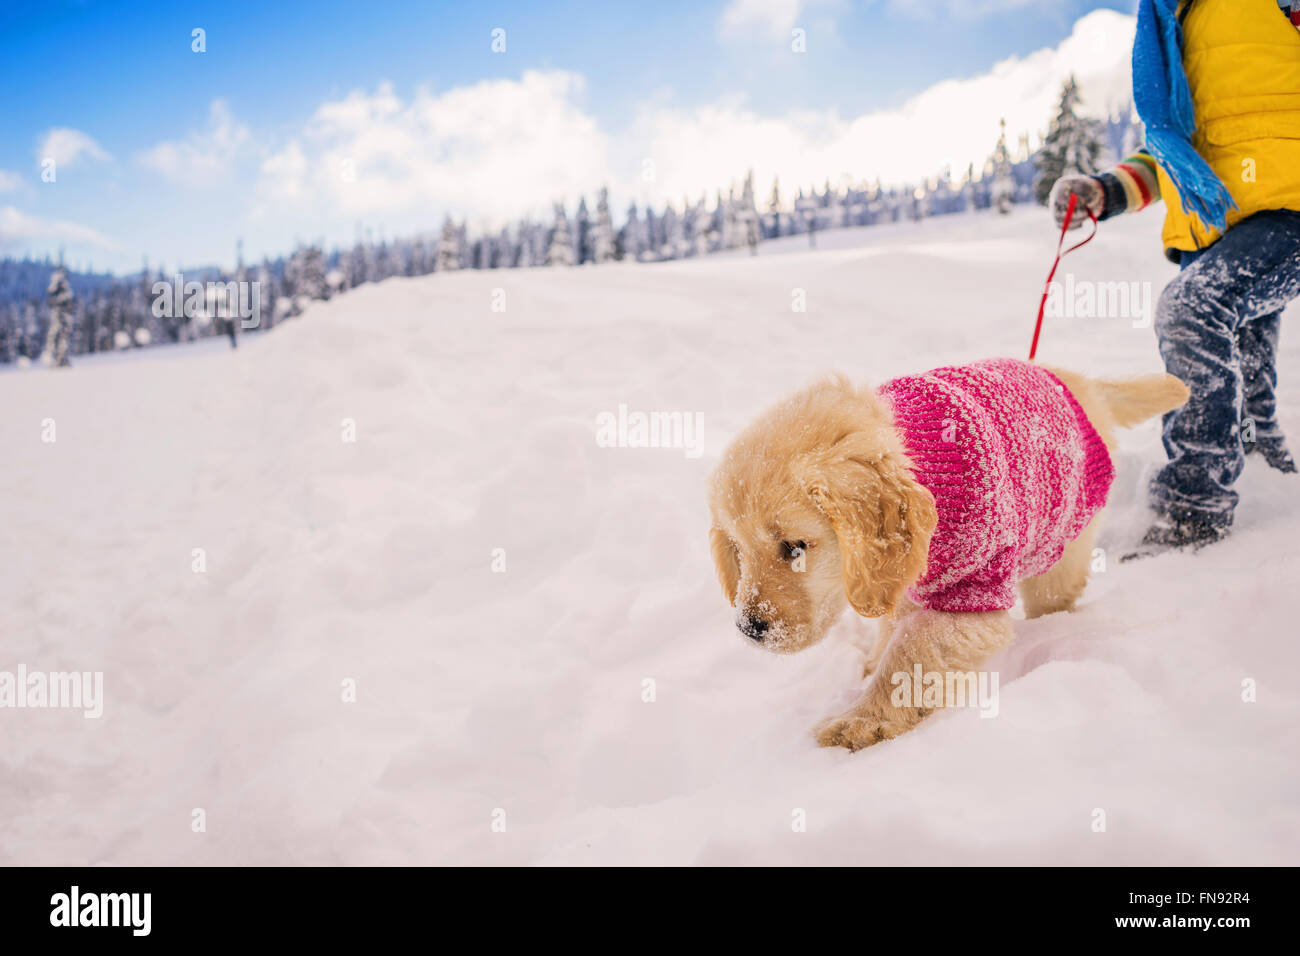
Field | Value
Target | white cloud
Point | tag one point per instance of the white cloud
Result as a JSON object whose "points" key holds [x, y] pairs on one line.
{"points": [[17, 228], [774, 18], [206, 156], [9, 181], [499, 149], [66, 146], [952, 123], [284, 174], [494, 149]]}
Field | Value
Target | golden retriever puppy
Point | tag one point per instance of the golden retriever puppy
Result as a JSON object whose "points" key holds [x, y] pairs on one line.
{"points": [[925, 502]]}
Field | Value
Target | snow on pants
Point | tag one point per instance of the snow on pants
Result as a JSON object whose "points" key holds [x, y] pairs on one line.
{"points": [[1217, 324]]}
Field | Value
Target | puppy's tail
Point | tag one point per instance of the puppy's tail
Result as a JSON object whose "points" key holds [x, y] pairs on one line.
{"points": [[1134, 400]]}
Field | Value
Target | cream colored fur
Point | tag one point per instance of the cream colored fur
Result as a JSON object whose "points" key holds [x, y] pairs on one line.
{"points": [[826, 469]]}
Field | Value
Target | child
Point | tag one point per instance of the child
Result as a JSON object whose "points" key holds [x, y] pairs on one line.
{"points": [[1217, 83]]}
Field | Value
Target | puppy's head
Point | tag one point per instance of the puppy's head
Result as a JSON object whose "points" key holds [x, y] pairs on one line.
{"points": [[813, 505]]}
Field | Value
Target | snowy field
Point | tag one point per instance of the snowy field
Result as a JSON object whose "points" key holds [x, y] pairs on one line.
{"points": [[484, 695]]}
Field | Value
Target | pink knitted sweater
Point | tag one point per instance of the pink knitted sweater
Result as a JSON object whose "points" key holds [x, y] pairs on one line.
{"points": [[1016, 469]]}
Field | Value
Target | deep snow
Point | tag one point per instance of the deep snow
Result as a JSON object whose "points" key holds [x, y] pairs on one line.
{"points": [[522, 691]]}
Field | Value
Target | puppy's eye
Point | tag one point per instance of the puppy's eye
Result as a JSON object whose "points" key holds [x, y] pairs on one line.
{"points": [[793, 549]]}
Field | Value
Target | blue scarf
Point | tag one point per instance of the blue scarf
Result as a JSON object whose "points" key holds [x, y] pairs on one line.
{"points": [[1164, 103]]}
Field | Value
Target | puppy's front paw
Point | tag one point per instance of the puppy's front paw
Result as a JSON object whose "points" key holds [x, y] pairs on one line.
{"points": [[858, 729], [850, 731]]}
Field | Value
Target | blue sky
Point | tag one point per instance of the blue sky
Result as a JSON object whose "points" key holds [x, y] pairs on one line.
{"points": [[306, 121]]}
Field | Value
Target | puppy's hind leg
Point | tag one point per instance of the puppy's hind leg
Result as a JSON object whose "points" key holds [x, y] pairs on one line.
{"points": [[1057, 588], [940, 642]]}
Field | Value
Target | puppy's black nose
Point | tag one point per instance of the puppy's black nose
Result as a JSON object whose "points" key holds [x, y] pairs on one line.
{"points": [[753, 627]]}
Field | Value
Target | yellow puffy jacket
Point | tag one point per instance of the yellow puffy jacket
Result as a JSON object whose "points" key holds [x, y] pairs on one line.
{"points": [[1242, 59]]}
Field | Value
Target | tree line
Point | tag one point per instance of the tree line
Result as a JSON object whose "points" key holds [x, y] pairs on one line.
{"points": [[49, 313]]}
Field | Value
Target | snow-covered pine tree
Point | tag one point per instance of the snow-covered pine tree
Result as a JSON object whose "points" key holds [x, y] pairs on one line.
{"points": [[633, 235], [718, 228], [309, 273], [462, 233], [582, 224], [774, 208], [560, 251], [876, 203], [1135, 133], [232, 319], [1003, 194], [650, 235], [748, 215], [830, 202], [805, 215], [140, 315], [732, 231], [920, 202], [9, 340], [602, 239], [503, 254], [702, 226], [373, 272], [266, 293], [418, 263], [1074, 144], [357, 265], [449, 247], [31, 334], [674, 244], [385, 261], [524, 257], [59, 298]]}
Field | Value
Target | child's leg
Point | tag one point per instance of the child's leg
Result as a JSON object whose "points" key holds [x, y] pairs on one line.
{"points": [[1252, 271], [1257, 343]]}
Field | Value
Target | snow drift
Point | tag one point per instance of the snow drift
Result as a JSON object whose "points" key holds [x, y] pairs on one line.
{"points": [[544, 669]]}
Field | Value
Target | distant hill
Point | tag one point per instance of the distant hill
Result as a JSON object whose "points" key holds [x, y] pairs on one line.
{"points": [[24, 280]]}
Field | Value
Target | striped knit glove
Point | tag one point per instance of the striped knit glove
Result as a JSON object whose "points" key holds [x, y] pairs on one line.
{"points": [[1129, 186], [1091, 197]]}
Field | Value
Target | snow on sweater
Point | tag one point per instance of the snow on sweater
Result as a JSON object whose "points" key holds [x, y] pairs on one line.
{"points": [[1016, 469]]}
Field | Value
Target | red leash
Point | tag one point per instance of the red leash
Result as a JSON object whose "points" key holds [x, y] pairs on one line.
{"points": [[1047, 287]]}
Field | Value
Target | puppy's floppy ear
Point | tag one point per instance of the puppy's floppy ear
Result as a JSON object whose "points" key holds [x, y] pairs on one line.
{"points": [[882, 516], [725, 560]]}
